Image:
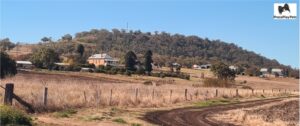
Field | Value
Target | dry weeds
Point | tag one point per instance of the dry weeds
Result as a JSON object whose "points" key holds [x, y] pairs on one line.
{"points": [[266, 115], [75, 92]]}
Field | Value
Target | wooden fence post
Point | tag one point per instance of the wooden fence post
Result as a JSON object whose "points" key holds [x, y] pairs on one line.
{"points": [[153, 94], [252, 91], [84, 97], [9, 91], [171, 91], [136, 94], [272, 90], [185, 94], [45, 96], [110, 97], [263, 91], [237, 92], [206, 95], [197, 93], [216, 92], [98, 94]]}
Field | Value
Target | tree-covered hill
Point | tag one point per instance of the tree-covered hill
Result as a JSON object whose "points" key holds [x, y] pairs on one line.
{"points": [[166, 48], [186, 50]]}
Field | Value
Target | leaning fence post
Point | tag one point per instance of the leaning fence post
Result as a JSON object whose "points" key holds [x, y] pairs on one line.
{"points": [[84, 97], [237, 92], [110, 97], [136, 94], [45, 96], [185, 94], [216, 92], [206, 95], [197, 93], [9, 91]]}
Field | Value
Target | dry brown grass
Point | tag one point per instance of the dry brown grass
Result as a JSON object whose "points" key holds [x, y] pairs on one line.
{"points": [[274, 83], [68, 91], [268, 115]]}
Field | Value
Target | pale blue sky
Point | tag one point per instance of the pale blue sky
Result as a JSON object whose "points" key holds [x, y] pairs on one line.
{"points": [[249, 24]]}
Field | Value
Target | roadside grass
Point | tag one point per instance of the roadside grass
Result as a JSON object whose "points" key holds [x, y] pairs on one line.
{"points": [[214, 102], [109, 92], [119, 120], [65, 113], [13, 117], [136, 124], [94, 118]]}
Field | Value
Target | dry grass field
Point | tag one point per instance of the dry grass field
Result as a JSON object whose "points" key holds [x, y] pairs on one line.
{"points": [[284, 113], [112, 100], [77, 90], [20, 50]]}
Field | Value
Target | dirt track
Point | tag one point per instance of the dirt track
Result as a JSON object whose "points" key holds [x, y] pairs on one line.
{"points": [[194, 116]]}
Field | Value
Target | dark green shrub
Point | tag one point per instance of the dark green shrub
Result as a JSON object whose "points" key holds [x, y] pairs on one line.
{"points": [[162, 75], [155, 74], [114, 70], [140, 71], [88, 65], [98, 70], [73, 68], [127, 72], [65, 113], [101, 67], [12, 116], [107, 68], [120, 120], [120, 72]]}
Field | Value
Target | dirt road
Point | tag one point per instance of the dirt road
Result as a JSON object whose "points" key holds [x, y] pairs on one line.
{"points": [[195, 116]]}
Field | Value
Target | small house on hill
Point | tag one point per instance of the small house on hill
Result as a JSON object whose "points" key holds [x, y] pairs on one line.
{"points": [[24, 65], [264, 72], [206, 66], [277, 72], [233, 67], [195, 66], [102, 59]]}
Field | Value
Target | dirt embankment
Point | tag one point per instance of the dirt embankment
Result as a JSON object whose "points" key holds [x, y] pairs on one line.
{"points": [[201, 116], [286, 111]]}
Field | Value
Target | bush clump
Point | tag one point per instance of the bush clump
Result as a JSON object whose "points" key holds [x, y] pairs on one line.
{"points": [[65, 113], [214, 82], [140, 71], [12, 116]]}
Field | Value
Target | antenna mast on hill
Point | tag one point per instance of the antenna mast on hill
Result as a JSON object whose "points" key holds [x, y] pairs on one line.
{"points": [[127, 27]]}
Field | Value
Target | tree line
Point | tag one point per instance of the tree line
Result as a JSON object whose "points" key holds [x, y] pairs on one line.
{"points": [[168, 48]]}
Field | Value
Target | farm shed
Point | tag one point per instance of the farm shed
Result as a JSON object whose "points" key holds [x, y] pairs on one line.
{"points": [[24, 65]]}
